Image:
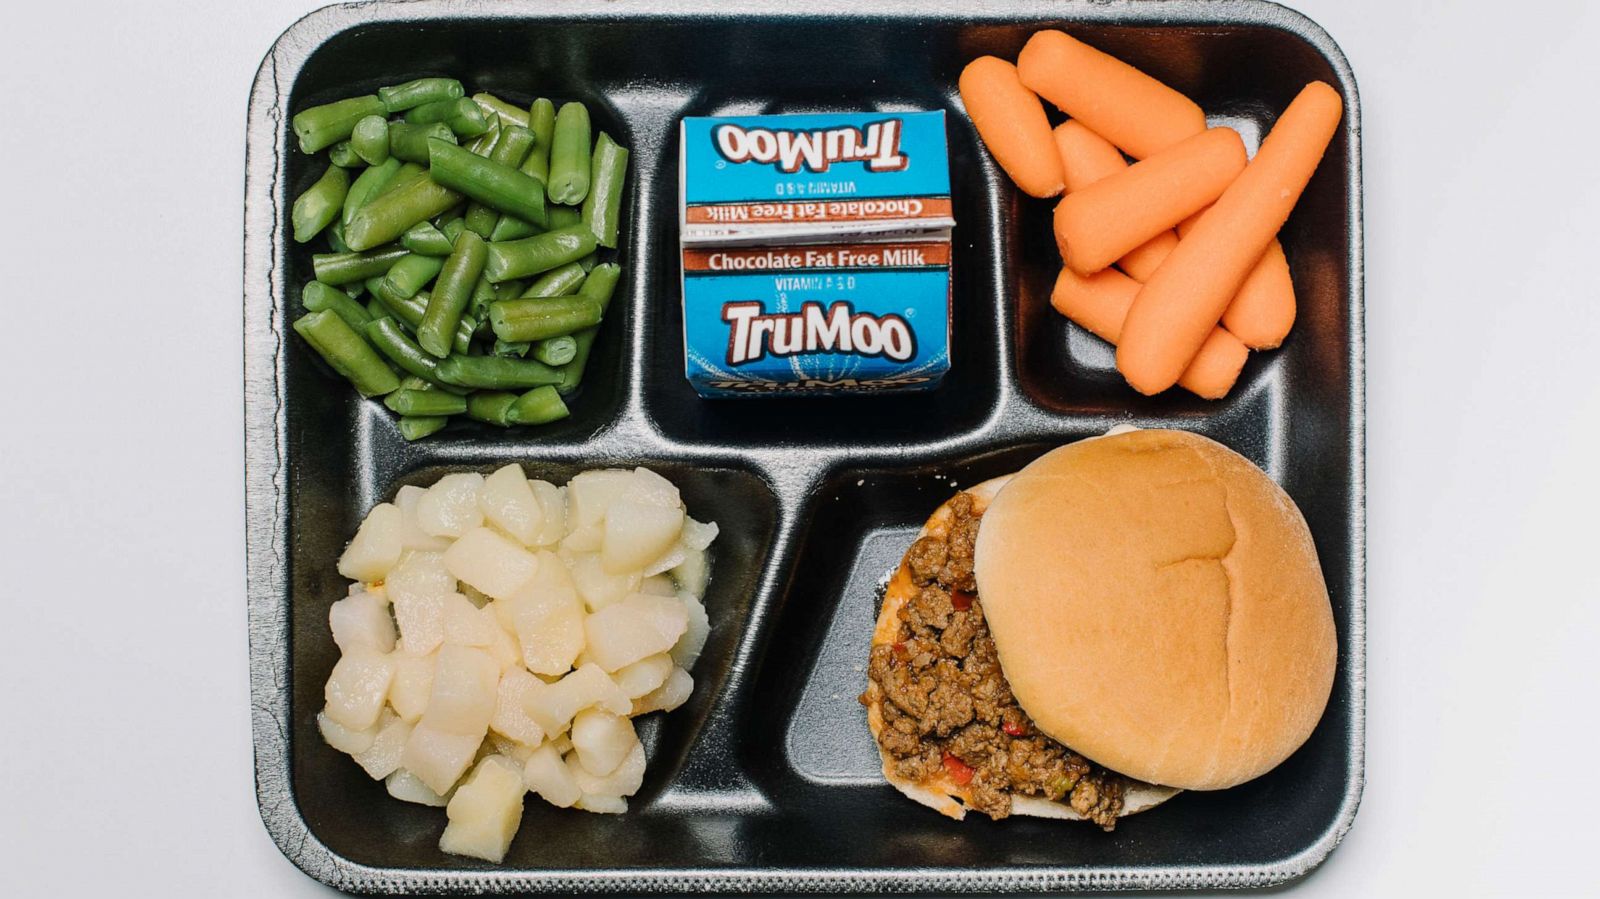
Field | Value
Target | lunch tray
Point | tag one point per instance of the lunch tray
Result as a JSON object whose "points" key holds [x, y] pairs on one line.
{"points": [[767, 780]]}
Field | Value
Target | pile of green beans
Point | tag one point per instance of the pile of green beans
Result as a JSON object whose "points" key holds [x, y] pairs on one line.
{"points": [[463, 276]]}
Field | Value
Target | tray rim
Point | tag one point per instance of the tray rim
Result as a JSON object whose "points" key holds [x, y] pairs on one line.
{"points": [[267, 488]]}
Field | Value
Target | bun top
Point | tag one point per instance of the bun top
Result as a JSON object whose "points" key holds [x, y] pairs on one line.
{"points": [[1158, 606]]}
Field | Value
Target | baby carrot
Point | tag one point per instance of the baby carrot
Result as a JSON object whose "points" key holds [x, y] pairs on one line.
{"points": [[1087, 157], [1263, 310], [1011, 121], [1100, 303], [1186, 297], [1115, 100], [1098, 225]]}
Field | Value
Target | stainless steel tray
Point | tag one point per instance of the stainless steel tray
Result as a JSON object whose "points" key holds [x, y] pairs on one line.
{"points": [[767, 780]]}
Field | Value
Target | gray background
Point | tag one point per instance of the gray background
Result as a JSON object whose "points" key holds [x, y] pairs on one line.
{"points": [[124, 727]]}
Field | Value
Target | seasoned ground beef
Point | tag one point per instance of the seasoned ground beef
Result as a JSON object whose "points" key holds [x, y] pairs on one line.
{"points": [[946, 706]]}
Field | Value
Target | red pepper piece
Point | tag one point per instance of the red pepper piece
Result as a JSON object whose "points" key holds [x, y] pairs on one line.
{"points": [[961, 599], [1012, 728], [959, 771]]}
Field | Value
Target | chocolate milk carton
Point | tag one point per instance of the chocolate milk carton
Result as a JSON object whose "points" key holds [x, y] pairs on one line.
{"points": [[816, 253]]}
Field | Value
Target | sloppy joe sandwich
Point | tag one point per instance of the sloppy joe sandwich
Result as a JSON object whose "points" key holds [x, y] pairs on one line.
{"points": [[1126, 617]]}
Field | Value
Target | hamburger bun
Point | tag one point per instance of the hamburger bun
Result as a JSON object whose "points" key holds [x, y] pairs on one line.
{"points": [[941, 793], [1157, 605]]}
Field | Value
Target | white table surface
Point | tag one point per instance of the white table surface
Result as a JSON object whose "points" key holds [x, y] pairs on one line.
{"points": [[125, 761]]}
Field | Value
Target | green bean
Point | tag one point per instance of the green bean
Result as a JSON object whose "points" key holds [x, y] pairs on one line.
{"points": [[600, 285], [425, 402], [508, 151], [411, 274], [336, 240], [370, 139], [401, 97], [487, 181], [569, 155], [508, 290], [536, 318], [484, 144], [370, 183], [539, 406], [326, 125], [542, 122], [319, 205], [540, 253], [342, 268], [496, 373], [416, 427], [386, 334], [561, 281], [451, 294], [388, 216], [512, 228], [318, 297], [518, 348], [354, 290], [588, 262], [425, 239], [562, 216], [491, 406], [460, 115], [509, 115], [343, 155], [482, 296], [375, 309], [410, 142], [602, 208], [410, 310], [345, 351], [556, 350]]}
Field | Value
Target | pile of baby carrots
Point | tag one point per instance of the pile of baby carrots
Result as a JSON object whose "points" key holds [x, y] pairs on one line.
{"points": [[1174, 259]]}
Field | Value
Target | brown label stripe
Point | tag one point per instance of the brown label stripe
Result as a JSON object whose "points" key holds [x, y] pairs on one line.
{"points": [[865, 209], [735, 260]]}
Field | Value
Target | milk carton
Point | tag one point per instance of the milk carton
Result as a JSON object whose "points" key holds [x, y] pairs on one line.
{"points": [[816, 253]]}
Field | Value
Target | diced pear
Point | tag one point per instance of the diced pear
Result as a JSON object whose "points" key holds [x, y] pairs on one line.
{"points": [[636, 533], [645, 486], [382, 758], [511, 749], [668, 696], [420, 573], [376, 546], [552, 706], [623, 780], [490, 562], [658, 585], [485, 812], [347, 741], [546, 774], [668, 560], [357, 688], [602, 805], [450, 507], [645, 675], [598, 587], [411, 534], [361, 621], [547, 618], [509, 504], [587, 539], [510, 718], [421, 620], [504, 648], [407, 787], [687, 650], [561, 743], [465, 684], [553, 505], [692, 574], [413, 683], [590, 493], [467, 625], [601, 740], [438, 758], [698, 535], [633, 628]]}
